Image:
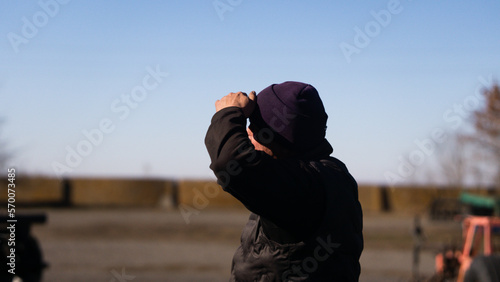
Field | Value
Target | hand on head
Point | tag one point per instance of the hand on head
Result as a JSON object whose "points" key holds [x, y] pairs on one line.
{"points": [[240, 100]]}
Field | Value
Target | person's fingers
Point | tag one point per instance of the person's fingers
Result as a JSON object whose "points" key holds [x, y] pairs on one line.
{"points": [[238, 99], [252, 96]]}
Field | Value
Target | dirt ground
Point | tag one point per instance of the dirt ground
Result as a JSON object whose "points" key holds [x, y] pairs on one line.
{"points": [[159, 245]]}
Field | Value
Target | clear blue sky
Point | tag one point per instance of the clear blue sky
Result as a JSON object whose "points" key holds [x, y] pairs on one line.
{"points": [[64, 68]]}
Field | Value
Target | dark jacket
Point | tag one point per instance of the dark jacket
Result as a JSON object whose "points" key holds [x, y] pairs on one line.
{"points": [[306, 222]]}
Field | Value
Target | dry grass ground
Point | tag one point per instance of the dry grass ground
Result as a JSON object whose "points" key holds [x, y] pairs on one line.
{"points": [[158, 245]]}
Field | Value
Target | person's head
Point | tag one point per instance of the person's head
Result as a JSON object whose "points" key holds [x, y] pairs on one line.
{"points": [[289, 119]]}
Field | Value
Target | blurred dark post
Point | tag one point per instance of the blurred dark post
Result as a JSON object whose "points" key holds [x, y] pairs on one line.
{"points": [[418, 239], [66, 193], [175, 194], [384, 197]]}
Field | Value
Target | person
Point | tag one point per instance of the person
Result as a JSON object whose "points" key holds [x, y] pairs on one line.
{"points": [[306, 221]]}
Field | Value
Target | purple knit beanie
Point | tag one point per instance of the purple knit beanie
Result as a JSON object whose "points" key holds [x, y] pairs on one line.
{"points": [[290, 114]]}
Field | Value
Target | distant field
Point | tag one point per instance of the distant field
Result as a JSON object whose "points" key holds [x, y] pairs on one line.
{"points": [[158, 245]]}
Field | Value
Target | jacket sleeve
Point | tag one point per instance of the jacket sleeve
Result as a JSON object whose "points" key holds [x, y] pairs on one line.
{"points": [[287, 192]]}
